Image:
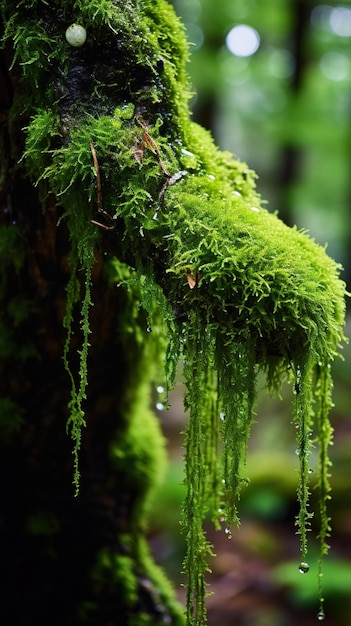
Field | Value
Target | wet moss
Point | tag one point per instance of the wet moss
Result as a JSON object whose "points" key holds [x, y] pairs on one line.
{"points": [[238, 290]]}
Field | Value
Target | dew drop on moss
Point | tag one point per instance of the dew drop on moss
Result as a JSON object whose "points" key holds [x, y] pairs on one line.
{"points": [[304, 567], [321, 616]]}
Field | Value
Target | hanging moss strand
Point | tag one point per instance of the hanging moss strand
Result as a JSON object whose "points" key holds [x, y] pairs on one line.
{"points": [[76, 420], [236, 365], [303, 422], [214, 465], [201, 468], [325, 439]]}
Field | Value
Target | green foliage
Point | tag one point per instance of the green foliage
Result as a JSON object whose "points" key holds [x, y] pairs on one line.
{"points": [[240, 292], [303, 589], [287, 98]]}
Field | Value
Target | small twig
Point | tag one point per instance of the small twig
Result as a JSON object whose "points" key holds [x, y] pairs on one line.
{"points": [[100, 210], [98, 177], [170, 181], [150, 143]]}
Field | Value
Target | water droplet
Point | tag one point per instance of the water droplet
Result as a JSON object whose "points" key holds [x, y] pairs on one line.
{"points": [[149, 329], [222, 416], [186, 152], [297, 425], [321, 616], [160, 389], [160, 406], [228, 532], [155, 216], [297, 452], [304, 567], [310, 470]]}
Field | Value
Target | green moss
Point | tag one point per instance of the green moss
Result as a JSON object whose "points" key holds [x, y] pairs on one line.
{"points": [[14, 310], [117, 570], [239, 291], [139, 453], [127, 574], [11, 419], [42, 523], [76, 420], [12, 251]]}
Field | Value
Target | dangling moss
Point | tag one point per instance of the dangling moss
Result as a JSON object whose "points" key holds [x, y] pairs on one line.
{"points": [[240, 292], [76, 420]]}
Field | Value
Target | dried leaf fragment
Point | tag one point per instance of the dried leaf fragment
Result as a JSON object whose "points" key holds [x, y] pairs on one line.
{"points": [[192, 279]]}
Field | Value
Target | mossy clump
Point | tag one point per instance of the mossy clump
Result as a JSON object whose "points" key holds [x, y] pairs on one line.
{"points": [[238, 290]]}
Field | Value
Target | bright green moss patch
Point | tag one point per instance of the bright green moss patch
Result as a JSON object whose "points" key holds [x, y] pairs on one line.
{"points": [[238, 291]]}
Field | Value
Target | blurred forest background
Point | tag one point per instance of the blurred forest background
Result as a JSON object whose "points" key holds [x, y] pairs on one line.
{"points": [[272, 81]]}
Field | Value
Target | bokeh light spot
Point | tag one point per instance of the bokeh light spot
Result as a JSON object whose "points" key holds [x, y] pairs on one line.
{"points": [[243, 40], [335, 66], [340, 21]]}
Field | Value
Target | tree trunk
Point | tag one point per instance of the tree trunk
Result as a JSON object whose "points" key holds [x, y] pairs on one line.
{"points": [[68, 560]]}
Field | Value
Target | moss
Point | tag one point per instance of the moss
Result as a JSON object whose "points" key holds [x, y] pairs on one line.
{"points": [[139, 451], [76, 420], [42, 523], [162, 589], [11, 420], [12, 251], [134, 575], [240, 292], [117, 570]]}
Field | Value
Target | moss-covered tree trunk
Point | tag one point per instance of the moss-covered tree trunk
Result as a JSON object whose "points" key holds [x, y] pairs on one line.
{"points": [[120, 216], [67, 560], [64, 559]]}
